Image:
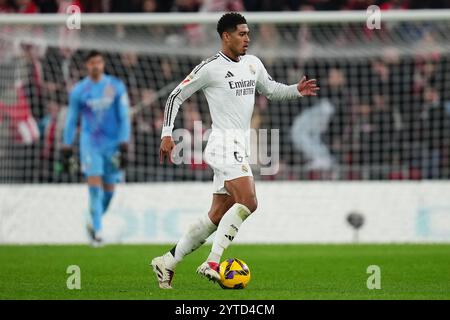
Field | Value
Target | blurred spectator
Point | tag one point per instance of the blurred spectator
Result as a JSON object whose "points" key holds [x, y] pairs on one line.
{"points": [[382, 115], [307, 131], [186, 6], [382, 121], [149, 6], [192, 122], [19, 137], [5, 6], [394, 5], [25, 6], [148, 119], [195, 33], [428, 4], [357, 4], [165, 5], [131, 73], [263, 5], [70, 72], [316, 4], [6, 47], [435, 132], [63, 5], [222, 5], [17, 110], [47, 6], [93, 6], [361, 134], [127, 6], [148, 113], [34, 80], [335, 87], [99, 6], [268, 39], [166, 71], [51, 128]]}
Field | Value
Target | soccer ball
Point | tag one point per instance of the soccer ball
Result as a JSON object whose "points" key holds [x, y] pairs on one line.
{"points": [[234, 274]]}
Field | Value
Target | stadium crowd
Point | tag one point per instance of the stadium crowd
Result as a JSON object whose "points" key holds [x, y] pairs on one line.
{"points": [[383, 117], [99, 6]]}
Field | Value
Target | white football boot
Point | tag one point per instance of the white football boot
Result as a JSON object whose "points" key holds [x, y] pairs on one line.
{"points": [[97, 240], [164, 275], [209, 270]]}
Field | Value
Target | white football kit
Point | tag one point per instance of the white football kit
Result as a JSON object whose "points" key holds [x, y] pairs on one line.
{"points": [[229, 87]]}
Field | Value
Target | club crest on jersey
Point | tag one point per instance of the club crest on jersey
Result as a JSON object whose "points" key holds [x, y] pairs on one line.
{"points": [[103, 102], [252, 68]]}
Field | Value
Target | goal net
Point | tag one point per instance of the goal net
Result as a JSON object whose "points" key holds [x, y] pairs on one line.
{"points": [[383, 111]]}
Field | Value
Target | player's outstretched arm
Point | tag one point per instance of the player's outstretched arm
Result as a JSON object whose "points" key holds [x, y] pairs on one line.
{"points": [[307, 87], [279, 91]]}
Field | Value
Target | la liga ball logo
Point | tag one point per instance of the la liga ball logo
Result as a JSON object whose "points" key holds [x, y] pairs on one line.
{"points": [[234, 274]]}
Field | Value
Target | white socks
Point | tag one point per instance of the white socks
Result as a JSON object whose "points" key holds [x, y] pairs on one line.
{"points": [[198, 232], [195, 236], [227, 230]]}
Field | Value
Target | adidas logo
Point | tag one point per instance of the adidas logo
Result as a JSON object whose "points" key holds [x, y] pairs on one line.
{"points": [[229, 237], [229, 75]]}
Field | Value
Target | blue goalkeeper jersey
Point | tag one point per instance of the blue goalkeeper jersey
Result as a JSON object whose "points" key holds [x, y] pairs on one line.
{"points": [[104, 111]]}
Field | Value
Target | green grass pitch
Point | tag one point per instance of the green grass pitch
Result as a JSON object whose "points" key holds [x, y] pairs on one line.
{"points": [[288, 272]]}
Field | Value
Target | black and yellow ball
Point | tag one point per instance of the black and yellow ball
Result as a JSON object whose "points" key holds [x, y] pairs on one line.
{"points": [[234, 274]]}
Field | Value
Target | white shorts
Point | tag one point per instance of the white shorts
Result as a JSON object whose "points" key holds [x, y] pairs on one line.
{"points": [[227, 163]]}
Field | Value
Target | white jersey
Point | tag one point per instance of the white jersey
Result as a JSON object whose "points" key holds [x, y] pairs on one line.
{"points": [[229, 87]]}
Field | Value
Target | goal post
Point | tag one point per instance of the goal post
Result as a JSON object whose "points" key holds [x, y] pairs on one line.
{"points": [[287, 17]]}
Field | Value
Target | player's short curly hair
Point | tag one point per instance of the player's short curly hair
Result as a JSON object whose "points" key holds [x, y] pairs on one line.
{"points": [[229, 21]]}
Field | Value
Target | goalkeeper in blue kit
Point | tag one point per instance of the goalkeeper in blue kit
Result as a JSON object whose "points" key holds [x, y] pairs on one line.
{"points": [[100, 101]]}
